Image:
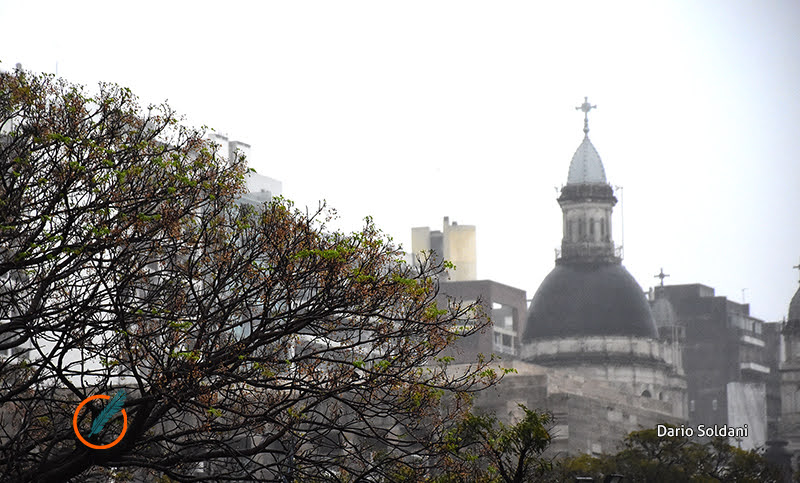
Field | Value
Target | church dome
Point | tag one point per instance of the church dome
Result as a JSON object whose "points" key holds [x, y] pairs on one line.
{"points": [[794, 306], [585, 299], [586, 166], [663, 312]]}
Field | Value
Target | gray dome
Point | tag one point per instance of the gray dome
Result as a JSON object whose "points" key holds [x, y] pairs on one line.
{"points": [[584, 299], [794, 306], [663, 312], [586, 167]]}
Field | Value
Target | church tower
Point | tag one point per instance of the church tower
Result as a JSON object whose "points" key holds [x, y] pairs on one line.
{"points": [[589, 315], [586, 202]]}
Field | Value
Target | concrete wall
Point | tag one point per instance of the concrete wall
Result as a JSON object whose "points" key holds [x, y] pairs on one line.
{"points": [[420, 239], [460, 248], [747, 405], [455, 243]]}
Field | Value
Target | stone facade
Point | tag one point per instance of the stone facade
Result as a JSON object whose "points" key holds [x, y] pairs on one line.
{"points": [[591, 415], [634, 366]]}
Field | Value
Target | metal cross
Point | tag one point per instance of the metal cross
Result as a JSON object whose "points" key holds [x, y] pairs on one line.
{"points": [[585, 107], [797, 266], [662, 276]]}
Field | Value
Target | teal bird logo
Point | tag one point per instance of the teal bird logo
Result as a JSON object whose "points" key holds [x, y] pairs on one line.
{"points": [[113, 407]]}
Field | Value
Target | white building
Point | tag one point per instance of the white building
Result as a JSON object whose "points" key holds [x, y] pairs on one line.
{"points": [[260, 188]]}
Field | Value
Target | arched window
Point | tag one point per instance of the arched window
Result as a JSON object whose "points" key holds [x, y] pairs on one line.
{"points": [[569, 230], [646, 393], [581, 229], [591, 228], [602, 228]]}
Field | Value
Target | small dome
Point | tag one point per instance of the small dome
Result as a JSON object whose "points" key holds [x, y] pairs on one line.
{"points": [[585, 299], [586, 167], [794, 306], [663, 312]]}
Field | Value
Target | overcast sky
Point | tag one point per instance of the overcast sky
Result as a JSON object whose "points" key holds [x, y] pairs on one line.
{"points": [[412, 111]]}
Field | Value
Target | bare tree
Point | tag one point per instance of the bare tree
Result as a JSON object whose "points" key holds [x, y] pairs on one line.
{"points": [[252, 343]]}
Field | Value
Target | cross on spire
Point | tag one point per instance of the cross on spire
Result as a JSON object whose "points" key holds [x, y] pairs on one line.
{"points": [[585, 107], [662, 276], [797, 266]]}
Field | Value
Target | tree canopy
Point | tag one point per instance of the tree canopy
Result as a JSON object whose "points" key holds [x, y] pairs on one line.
{"points": [[647, 457], [252, 343], [484, 449]]}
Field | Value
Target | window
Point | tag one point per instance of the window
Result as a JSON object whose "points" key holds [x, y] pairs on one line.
{"points": [[646, 393], [691, 406], [714, 405], [591, 228]]}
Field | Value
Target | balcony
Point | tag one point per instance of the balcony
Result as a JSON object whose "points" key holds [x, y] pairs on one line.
{"points": [[754, 368]]}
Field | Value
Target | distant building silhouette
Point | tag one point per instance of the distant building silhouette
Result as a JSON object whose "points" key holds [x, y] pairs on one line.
{"points": [[727, 356], [455, 243]]}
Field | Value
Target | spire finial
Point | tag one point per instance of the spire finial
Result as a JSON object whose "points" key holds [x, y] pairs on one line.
{"points": [[585, 107], [662, 276]]}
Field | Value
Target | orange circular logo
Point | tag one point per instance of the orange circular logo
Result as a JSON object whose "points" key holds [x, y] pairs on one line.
{"points": [[78, 433]]}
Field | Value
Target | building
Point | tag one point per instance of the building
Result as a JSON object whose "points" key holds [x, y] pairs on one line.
{"points": [[592, 415], [506, 307], [504, 304], [790, 379], [774, 349], [455, 243], [589, 314], [588, 348], [726, 358], [260, 188]]}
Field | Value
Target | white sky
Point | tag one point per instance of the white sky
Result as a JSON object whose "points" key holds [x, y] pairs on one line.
{"points": [[411, 111]]}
